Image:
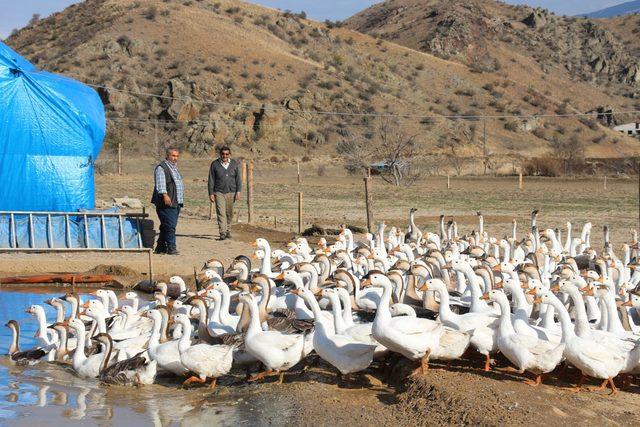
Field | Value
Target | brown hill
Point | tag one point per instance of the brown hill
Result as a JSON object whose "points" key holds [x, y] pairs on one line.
{"points": [[489, 35], [231, 72]]}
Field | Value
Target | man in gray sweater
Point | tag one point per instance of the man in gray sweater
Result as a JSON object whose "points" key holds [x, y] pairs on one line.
{"points": [[225, 185]]}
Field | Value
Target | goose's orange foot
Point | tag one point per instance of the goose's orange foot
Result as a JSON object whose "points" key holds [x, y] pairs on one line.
{"points": [[261, 375], [193, 379], [487, 364], [535, 383]]}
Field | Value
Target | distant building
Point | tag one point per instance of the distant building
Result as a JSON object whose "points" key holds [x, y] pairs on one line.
{"points": [[629, 129]]}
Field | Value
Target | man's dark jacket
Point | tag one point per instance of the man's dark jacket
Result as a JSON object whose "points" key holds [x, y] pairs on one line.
{"points": [[172, 192], [223, 180]]}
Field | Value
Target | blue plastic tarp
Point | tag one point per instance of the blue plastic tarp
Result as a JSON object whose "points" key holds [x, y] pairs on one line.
{"points": [[53, 231], [51, 131]]}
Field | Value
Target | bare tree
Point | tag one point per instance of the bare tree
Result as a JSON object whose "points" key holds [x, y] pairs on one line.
{"points": [[569, 150], [457, 138], [391, 149]]}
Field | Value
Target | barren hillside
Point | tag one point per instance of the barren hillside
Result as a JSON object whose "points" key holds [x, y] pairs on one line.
{"points": [[259, 79]]}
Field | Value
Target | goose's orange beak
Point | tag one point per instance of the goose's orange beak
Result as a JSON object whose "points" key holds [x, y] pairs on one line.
{"points": [[538, 300], [365, 283], [280, 276], [485, 297]]}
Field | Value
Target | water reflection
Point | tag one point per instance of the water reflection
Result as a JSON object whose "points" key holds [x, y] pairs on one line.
{"points": [[52, 393]]}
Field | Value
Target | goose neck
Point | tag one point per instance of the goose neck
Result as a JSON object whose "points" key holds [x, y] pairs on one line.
{"points": [[42, 324], [224, 309], [15, 339], [347, 316], [383, 314], [506, 327], [444, 310], [265, 268], [59, 312], [79, 356], [254, 321], [107, 351], [154, 339], [337, 313], [185, 340], [214, 310], [565, 320]]}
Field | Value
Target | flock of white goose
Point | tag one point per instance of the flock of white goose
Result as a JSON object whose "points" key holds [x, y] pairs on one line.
{"points": [[538, 299]]}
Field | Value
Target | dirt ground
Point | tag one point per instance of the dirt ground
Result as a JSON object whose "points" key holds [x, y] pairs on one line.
{"points": [[460, 395]]}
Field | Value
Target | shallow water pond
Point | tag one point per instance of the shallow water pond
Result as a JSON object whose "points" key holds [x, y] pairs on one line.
{"points": [[52, 393]]}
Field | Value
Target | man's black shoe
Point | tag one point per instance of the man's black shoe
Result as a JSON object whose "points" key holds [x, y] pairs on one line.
{"points": [[228, 234], [223, 237], [173, 252], [160, 251]]}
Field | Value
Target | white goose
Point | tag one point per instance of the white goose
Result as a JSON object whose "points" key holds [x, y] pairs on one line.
{"points": [[204, 360], [87, 367], [526, 352], [343, 352], [415, 339], [277, 351], [360, 332], [167, 355], [48, 344], [482, 327], [591, 358]]}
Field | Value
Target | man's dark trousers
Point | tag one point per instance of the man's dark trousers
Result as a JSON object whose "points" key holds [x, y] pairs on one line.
{"points": [[168, 222]]}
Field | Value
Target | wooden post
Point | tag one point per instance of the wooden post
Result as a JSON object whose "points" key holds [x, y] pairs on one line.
{"points": [[119, 158], [484, 147], [448, 182], [243, 168], [520, 183], [299, 178], [150, 266], [275, 222], [299, 212], [368, 201], [155, 139], [605, 182], [249, 191]]}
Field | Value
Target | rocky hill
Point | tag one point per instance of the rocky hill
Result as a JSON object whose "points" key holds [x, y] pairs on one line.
{"points": [[621, 9], [490, 35], [261, 80]]}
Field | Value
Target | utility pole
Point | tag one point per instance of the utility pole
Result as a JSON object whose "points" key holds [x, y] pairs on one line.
{"points": [[484, 146]]}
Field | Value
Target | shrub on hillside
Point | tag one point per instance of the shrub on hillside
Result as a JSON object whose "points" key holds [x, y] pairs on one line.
{"points": [[150, 13], [542, 167]]}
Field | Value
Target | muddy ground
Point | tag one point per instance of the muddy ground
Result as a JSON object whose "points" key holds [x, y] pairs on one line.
{"points": [[459, 395]]}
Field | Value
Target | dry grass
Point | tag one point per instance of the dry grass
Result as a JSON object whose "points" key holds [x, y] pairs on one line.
{"points": [[337, 197]]}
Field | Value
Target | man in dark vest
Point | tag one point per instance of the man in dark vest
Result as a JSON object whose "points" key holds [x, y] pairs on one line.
{"points": [[168, 196], [225, 185]]}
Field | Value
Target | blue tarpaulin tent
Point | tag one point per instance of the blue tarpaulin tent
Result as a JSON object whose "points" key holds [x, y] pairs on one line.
{"points": [[51, 131]]}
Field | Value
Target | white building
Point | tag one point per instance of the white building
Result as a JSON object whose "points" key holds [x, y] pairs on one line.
{"points": [[629, 129]]}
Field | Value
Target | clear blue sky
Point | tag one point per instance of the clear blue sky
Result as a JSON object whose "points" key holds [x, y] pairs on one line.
{"points": [[16, 13]]}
